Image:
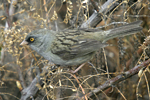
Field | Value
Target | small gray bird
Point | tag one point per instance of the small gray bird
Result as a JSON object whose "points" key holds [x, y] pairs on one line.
{"points": [[77, 46]]}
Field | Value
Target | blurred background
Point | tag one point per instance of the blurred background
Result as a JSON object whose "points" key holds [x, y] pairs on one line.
{"points": [[20, 66]]}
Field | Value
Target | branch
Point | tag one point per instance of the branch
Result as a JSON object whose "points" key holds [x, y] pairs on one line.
{"points": [[32, 89], [118, 78], [96, 18]]}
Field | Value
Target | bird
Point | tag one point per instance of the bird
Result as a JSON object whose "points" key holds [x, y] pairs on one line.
{"points": [[75, 46]]}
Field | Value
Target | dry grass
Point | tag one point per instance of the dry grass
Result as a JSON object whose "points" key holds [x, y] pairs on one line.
{"points": [[21, 65]]}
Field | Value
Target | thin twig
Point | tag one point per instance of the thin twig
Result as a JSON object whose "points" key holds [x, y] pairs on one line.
{"points": [[118, 78], [97, 17], [80, 86]]}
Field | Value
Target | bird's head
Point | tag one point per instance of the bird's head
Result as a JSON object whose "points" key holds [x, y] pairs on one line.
{"points": [[37, 39]]}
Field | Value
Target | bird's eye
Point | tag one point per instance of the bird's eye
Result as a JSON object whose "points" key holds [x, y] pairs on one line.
{"points": [[31, 39]]}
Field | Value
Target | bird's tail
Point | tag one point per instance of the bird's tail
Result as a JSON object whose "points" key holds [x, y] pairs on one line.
{"points": [[123, 30]]}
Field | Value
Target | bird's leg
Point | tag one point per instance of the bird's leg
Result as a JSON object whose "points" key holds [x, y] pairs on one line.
{"points": [[76, 70]]}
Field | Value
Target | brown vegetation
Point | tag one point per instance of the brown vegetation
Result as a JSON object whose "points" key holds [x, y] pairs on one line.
{"points": [[117, 72]]}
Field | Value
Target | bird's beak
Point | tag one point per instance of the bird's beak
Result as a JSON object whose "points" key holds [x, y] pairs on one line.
{"points": [[24, 42]]}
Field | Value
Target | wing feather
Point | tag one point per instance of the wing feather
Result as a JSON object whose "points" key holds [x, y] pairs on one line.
{"points": [[73, 45]]}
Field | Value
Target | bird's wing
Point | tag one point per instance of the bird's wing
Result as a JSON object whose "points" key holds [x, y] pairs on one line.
{"points": [[70, 45]]}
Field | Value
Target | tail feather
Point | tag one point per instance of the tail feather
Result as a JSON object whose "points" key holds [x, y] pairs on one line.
{"points": [[124, 30]]}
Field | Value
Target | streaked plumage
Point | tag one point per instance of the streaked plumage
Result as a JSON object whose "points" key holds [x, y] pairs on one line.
{"points": [[73, 47]]}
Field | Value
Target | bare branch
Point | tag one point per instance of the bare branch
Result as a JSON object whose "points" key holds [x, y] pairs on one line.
{"points": [[119, 78], [96, 17], [32, 89]]}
